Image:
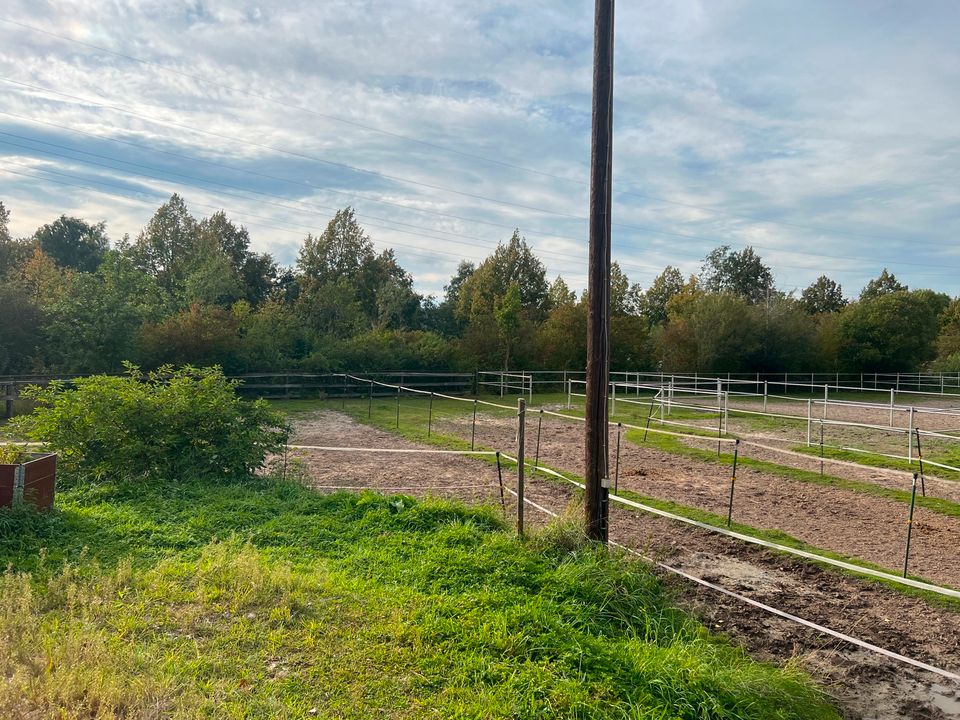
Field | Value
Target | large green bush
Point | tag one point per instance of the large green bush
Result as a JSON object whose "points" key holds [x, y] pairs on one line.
{"points": [[181, 424]]}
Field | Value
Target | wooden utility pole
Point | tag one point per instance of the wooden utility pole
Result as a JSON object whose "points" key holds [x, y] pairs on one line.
{"points": [[598, 318]]}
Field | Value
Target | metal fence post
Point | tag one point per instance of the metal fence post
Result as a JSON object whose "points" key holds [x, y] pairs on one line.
{"points": [[910, 439], [826, 399], [521, 436], [430, 417], [473, 429], [892, 396], [809, 419], [765, 392]]}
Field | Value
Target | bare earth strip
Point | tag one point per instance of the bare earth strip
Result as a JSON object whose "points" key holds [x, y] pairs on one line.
{"points": [[866, 685]]}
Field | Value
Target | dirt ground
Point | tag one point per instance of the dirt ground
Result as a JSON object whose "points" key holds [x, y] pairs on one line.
{"points": [[866, 685], [846, 522]]}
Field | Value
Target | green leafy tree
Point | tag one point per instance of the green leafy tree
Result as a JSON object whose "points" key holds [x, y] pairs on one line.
{"points": [[948, 341], [652, 305], [225, 248], [893, 331], [511, 263], [619, 291], [271, 336], [708, 332], [343, 258], [73, 243], [787, 336], [740, 273], [13, 253], [883, 284], [165, 247], [201, 334], [823, 295], [507, 313], [560, 294], [21, 329], [94, 324], [562, 339]]}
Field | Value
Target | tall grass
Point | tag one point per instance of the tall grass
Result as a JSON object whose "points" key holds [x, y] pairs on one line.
{"points": [[265, 600]]}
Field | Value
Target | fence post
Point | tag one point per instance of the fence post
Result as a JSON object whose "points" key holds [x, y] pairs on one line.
{"points": [[913, 501], [821, 448], [521, 436], [531, 387], [733, 481], [809, 419], [616, 472], [430, 417], [569, 393], [826, 399], [910, 439], [892, 395], [726, 412], [473, 429], [398, 407], [370, 402], [765, 390], [613, 405]]}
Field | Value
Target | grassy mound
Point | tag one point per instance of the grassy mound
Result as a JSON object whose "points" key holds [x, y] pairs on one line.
{"points": [[266, 600]]}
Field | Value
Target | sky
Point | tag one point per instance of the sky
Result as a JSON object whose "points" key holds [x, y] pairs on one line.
{"points": [[823, 134]]}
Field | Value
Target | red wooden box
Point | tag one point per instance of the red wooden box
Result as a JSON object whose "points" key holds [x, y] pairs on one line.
{"points": [[33, 481]]}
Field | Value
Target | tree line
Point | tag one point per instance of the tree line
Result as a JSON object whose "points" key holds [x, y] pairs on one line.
{"points": [[189, 291]]}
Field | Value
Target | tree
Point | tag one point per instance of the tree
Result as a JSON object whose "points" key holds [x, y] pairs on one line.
{"points": [[507, 313], [11, 252], [271, 336], [43, 279], [165, 247], [893, 331], [511, 263], [560, 294], [200, 335], [823, 295], [708, 332], [787, 337], [882, 285], [653, 303], [619, 291], [948, 341], [4, 224], [95, 323], [73, 243], [255, 274], [562, 339], [212, 278], [741, 273], [21, 329], [344, 257]]}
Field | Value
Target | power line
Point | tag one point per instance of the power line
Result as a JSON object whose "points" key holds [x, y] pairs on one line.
{"points": [[436, 146], [287, 206], [639, 228], [375, 173]]}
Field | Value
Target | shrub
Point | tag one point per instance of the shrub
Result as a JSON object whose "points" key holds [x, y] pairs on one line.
{"points": [[12, 454], [186, 423]]}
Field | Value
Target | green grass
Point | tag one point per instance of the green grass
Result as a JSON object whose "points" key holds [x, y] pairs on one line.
{"points": [[265, 600], [949, 458]]}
